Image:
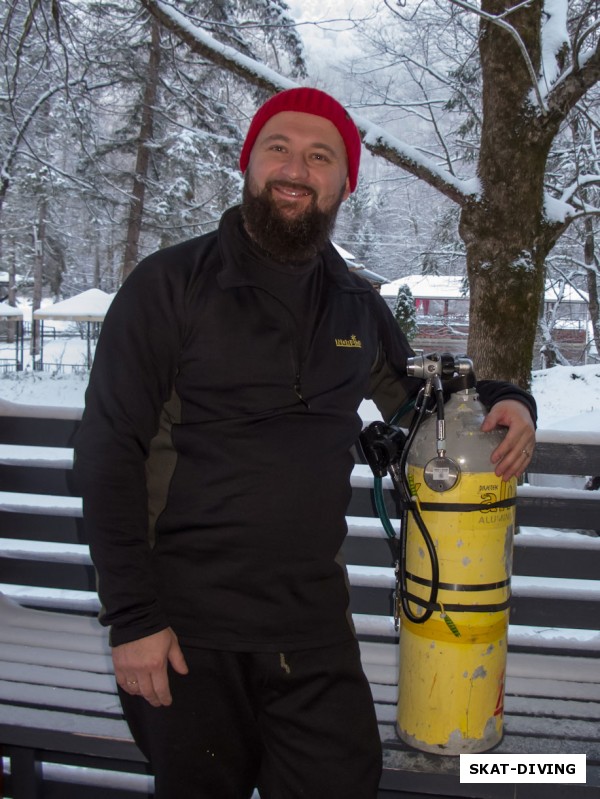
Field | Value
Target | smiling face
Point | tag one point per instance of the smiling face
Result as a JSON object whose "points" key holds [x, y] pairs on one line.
{"points": [[298, 157], [296, 180]]}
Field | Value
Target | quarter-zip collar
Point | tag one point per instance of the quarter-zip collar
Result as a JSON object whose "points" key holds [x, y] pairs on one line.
{"points": [[239, 256]]}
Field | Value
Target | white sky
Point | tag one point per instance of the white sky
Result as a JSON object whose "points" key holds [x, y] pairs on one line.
{"points": [[323, 23]]}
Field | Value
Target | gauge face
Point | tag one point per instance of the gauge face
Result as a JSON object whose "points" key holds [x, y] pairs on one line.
{"points": [[441, 474]]}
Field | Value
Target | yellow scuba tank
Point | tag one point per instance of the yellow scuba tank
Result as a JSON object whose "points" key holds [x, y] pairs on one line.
{"points": [[452, 665], [453, 561]]}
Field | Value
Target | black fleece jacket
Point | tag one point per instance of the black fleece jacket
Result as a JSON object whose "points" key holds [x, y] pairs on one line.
{"points": [[214, 453]]}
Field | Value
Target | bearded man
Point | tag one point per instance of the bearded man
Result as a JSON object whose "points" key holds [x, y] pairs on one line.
{"points": [[214, 460]]}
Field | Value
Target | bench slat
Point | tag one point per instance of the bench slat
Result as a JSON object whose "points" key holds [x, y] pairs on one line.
{"points": [[557, 689], [99, 777], [563, 731], [52, 598], [44, 504], [59, 658], [41, 639], [545, 587], [368, 576], [399, 757], [64, 698], [73, 723], [103, 682], [381, 675], [386, 713], [43, 457], [384, 686], [558, 728], [554, 638], [45, 551], [551, 708], [12, 613], [565, 668], [384, 694], [518, 635]]}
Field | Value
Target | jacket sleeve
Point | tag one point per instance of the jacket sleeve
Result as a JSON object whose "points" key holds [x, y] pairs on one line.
{"points": [[131, 379], [493, 391], [390, 388]]}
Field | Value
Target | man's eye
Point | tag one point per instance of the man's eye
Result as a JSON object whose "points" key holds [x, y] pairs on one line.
{"points": [[320, 157]]}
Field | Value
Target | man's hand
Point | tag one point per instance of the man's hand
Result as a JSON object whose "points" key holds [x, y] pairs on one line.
{"points": [[512, 456], [141, 666]]}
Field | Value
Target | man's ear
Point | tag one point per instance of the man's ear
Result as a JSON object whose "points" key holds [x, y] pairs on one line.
{"points": [[347, 191]]}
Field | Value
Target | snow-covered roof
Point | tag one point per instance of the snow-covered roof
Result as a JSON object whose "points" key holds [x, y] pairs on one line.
{"points": [[452, 287], [90, 306], [428, 287], [567, 292], [8, 312]]}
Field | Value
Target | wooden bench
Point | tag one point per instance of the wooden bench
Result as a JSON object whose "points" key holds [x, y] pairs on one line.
{"points": [[60, 720]]}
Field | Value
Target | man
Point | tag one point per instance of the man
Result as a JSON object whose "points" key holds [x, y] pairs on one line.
{"points": [[214, 462]]}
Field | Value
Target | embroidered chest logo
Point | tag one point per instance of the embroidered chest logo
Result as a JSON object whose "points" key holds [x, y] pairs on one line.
{"points": [[351, 342]]}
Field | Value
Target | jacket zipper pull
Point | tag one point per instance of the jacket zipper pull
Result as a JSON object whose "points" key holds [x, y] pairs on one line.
{"points": [[298, 392]]}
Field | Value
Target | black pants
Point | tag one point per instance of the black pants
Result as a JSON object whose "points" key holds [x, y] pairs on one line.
{"points": [[294, 724]]}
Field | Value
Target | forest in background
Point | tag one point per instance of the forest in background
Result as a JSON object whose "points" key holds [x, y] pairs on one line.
{"points": [[121, 127]]}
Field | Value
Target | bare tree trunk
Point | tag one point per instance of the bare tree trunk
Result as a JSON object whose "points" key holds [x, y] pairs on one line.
{"points": [[136, 207], [504, 231], [11, 333], [591, 263], [39, 234], [97, 276]]}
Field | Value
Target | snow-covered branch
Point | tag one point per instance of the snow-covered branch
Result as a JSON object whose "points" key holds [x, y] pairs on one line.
{"points": [[554, 40], [19, 135], [218, 53], [583, 181], [397, 152], [376, 140], [560, 212], [573, 85], [14, 149]]}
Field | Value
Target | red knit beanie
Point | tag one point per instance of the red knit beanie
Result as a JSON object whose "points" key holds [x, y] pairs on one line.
{"points": [[308, 101]]}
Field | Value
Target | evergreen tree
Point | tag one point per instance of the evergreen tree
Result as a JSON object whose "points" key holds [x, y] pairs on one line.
{"points": [[405, 312]]}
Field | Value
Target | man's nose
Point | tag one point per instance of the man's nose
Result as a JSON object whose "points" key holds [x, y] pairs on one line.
{"points": [[295, 167]]}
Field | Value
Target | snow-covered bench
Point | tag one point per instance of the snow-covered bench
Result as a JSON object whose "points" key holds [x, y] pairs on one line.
{"points": [[58, 705]]}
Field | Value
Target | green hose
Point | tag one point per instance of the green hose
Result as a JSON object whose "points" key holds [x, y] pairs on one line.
{"points": [[381, 509], [378, 484]]}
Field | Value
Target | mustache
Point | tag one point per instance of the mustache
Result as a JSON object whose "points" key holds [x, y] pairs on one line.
{"points": [[289, 184]]}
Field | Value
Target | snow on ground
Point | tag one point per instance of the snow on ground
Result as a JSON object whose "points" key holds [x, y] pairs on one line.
{"points": [[568, 397], [43, 388]]}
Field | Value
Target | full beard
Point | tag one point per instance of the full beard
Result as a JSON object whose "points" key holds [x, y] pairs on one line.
{"points": [[289, 240]]}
